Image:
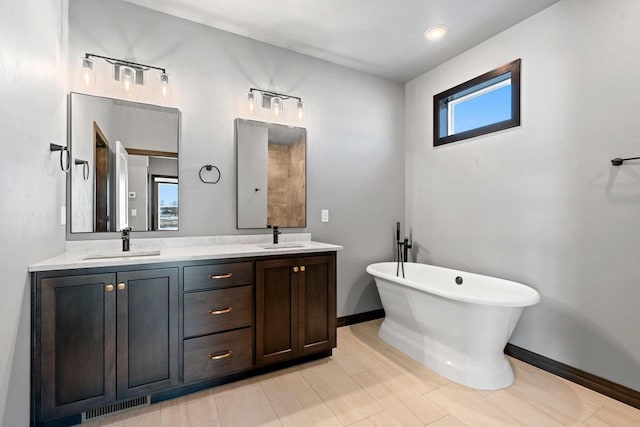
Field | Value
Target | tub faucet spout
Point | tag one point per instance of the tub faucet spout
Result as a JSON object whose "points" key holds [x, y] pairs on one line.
{"points": [[402, 252]]}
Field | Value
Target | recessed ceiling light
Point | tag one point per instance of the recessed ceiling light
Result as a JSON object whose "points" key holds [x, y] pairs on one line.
{"points": [[436, 32]]}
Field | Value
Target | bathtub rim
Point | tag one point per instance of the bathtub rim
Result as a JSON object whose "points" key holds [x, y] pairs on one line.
{"points": [[531, 297]]}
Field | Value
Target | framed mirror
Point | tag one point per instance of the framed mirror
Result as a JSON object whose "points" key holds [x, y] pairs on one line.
{"points": [[271, 175], [124, 167]]}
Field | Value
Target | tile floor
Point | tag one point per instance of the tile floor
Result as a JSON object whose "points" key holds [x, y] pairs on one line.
{"points": [[368, 383]]}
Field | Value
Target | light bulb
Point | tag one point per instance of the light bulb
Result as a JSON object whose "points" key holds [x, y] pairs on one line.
{"points": [[251, 98], [87, 71], [127, 78], [300, 110], [164, 85], [276, 106]]}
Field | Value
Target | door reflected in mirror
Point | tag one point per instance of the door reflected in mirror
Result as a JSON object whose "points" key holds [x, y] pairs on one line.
{"points": [[132, 152], [271, 168]]}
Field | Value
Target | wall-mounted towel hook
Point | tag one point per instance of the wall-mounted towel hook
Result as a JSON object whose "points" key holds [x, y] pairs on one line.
{"points": [[209, 168], [618, 161], [85, 168], [62, 150]]}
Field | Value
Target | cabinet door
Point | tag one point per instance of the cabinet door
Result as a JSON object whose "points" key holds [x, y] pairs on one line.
{"points": [[78, 348], [316, 304], [276, 310], [147, 324]]}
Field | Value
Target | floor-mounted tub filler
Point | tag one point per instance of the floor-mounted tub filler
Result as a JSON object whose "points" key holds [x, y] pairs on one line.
{"points": [[453, 322]]}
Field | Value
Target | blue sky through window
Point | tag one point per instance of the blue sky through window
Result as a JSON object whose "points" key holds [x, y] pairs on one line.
{"points": [[491, 107], [168, 194]]}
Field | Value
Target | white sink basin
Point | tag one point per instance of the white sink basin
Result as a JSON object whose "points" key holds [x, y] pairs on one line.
{"points": [[122, 254], [282, 246]]}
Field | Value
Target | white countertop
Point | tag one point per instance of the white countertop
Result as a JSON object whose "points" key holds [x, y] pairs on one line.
{"points": [[192, 249]]}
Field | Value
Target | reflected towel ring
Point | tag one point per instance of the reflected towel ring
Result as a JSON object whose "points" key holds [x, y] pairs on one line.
{"points": [[209, 168], [85, 168], [62, 150]]}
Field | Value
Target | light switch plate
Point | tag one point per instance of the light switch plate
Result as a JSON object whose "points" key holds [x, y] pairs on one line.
{"points": [[325, 215], [63, 215], [134, 212]]}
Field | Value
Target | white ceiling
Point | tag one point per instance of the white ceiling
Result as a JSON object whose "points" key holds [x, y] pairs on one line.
{"points": [[381, 37]]}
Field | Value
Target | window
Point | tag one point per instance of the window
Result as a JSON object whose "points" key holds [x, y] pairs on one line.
{"points": [[165, 203], [488, 103]]}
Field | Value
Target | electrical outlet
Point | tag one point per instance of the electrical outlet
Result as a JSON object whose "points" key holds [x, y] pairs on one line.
{"points": [[134, 212], [63, 215], [325, 215]]}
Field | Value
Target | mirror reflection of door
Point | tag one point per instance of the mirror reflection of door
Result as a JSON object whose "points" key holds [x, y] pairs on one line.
{"points": [[122, 186], [101, 160]]}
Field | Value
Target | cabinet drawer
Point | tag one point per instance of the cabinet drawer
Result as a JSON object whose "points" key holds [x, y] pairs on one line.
{"points": [[218, 355], [217, 276], [216, 311]]}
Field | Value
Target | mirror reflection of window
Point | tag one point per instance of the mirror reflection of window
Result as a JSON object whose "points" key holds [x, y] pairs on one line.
{"points": [[166, 205]]}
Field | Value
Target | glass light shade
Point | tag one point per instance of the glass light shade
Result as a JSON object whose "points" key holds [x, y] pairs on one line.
{"points": [[300, 110], [87, 72], [127, 78], [164, 85], [251, 99], [276, 106]]}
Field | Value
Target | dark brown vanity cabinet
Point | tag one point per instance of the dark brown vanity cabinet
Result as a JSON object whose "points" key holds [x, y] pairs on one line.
{"points": [[102, 338], [295, 307], [109, 335], [218, 320]]}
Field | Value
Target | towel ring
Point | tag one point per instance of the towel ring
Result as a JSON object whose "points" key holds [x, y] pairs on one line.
{"points": [[62, 150], [209, 168], [85, 168]]}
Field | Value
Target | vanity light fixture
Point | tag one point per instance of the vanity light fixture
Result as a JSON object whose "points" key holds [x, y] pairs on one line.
{"points": [[436, 32], [127, 73], [274, 101], [251, 98], [87, 71], [276, 106]]}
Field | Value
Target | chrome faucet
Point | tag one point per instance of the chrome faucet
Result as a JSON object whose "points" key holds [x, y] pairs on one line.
{"points": [[275, 233], [125, 239]]}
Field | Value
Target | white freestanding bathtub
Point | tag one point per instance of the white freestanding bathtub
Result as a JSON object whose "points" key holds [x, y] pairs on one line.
{"points": [[457, 330]]}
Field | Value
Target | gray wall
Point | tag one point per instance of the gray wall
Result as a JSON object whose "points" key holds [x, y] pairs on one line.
{"points": [[541, 203], [355, 127], [33, 82]]}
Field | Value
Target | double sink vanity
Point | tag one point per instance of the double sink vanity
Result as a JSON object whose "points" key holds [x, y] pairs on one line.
{"points": [[114, 332]]}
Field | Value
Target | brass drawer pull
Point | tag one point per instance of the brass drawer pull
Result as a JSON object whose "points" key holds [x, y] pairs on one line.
{"points": [[295, 269], [302, 268], [121, 286], [220, 276], [220, 356], [108, 288], [223, 311]]}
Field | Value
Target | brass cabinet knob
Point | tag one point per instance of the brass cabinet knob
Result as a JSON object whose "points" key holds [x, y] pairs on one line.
{"points": [[108, 288], [295, 269], [302, 268], [121, 286]]}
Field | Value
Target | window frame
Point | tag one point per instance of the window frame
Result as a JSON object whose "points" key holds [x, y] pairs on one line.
{"points": [[512, 67]]}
